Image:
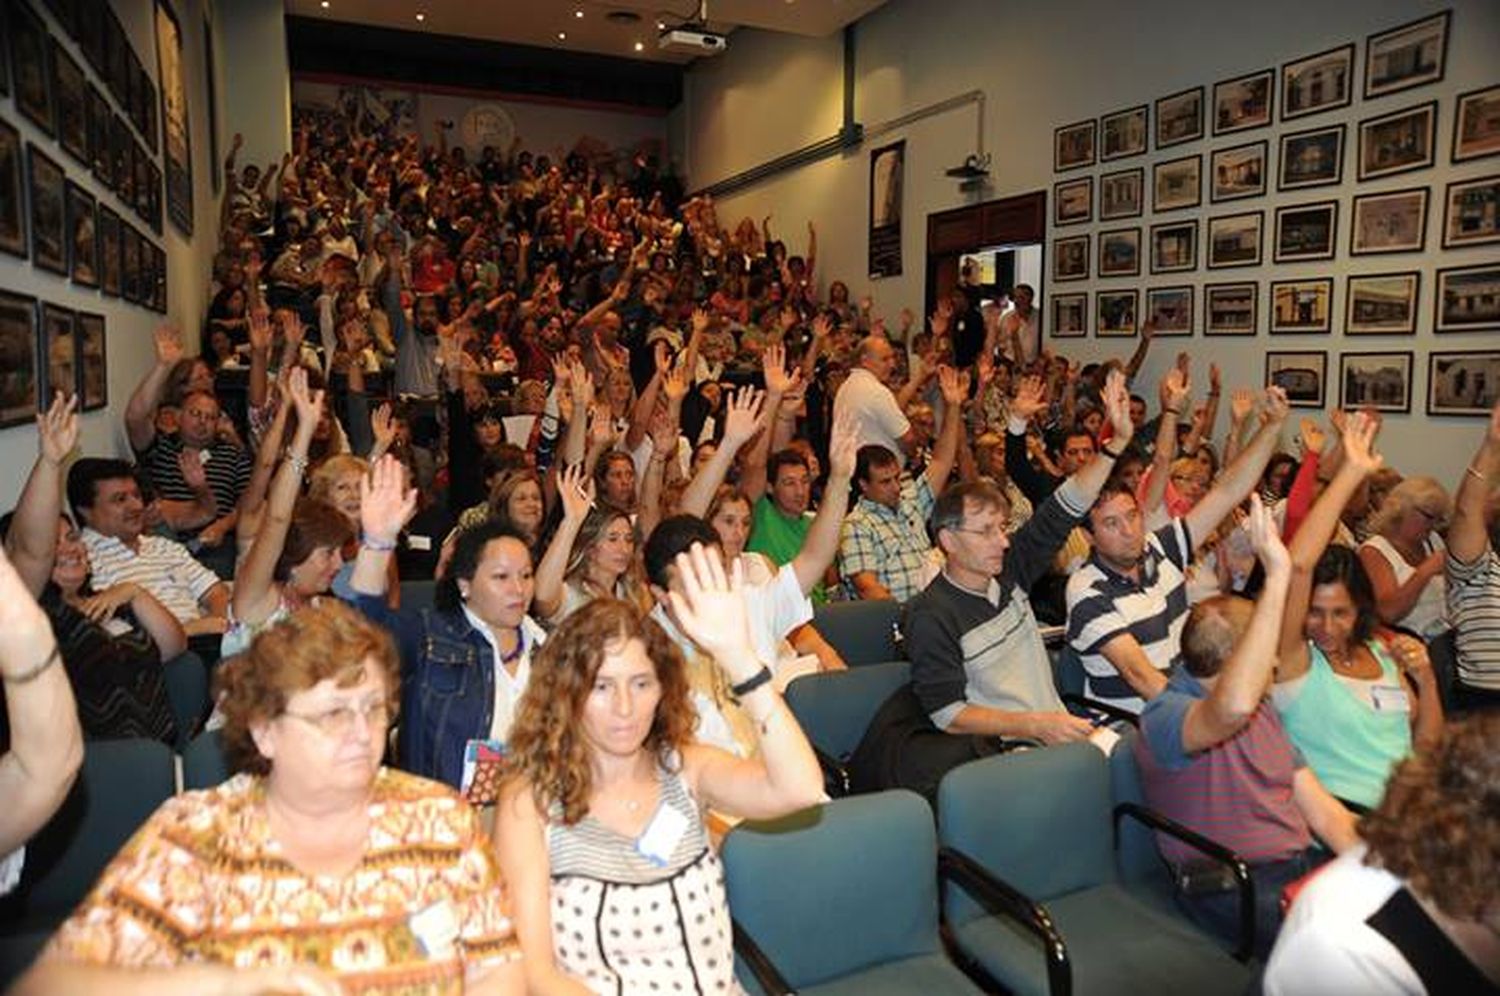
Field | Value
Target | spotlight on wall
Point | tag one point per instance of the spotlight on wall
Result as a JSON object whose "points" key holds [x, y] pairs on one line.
{"points": [[975, 168]]}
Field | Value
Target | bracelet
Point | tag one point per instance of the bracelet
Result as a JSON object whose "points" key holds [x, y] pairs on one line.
{"points": [[1470, 470], [1174, 411], [1106, 451], [298, 463], [379, 546], [53, 658], [751, 683]]}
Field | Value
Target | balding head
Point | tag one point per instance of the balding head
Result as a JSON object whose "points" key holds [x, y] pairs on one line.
{"points": [[877, 355], [1212, 629]]}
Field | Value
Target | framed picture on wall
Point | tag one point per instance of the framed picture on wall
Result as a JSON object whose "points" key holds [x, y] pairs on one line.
{"points": [[1070, 315], [1174, 247], [59, 352], [1389, 222], [97, 112], [1407, 56], [1235, 240], [153, 196], [12, 193], [1073, 201], [130, 262], [109, 251], [1238, 172], [1306, 231], [1116, 313], [1381, 381], [1120, 252], [1302, 307], [1317, 83], [1466, 298], [4, 55], [1244, 102], [93, 387], [1070, 258], [159, 284], [91, 38], [1397, 142], [1177, 183], [1302, 374], [1121, 195], [1470, 217], [1311, 158], [49, 240], [66, 14], [116, 61], [1476, 124], [146, 290], [28, 61], [1179, 118], [1230, 309], [177, 149], [1169, 310], [1462, 383], [1073, 146], [121, 148], [83, 237], [1123, 134], [18, 339], [70, 91], [1382, 304]]}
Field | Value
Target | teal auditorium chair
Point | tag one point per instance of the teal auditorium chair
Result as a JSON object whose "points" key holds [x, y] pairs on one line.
{"points": [[203, 761], [121, 784], [1036, 901], [863, 632], [841, 899], [187, 689], [835, 707]]}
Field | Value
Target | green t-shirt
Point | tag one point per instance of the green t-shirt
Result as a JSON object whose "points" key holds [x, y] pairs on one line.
{"points": [[780, 537]]}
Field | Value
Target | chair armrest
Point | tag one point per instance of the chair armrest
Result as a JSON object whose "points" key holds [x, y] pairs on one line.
{"points": [[835, 773], [1212, 849], [761, 966], [1001, 898], [1112, 711]]}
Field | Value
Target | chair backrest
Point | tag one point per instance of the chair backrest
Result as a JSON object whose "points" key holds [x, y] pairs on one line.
{"points": [[843, 887], [121, 784], [1067, 671], [418, 595], [1136, 854], [187, 689], [863, 632], [835, 707], [203, 762], [1039, 819]]}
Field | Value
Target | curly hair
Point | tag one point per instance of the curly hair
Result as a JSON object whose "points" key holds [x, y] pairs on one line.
{"points": [[548, 748], [327, 639], [1438, 827]]}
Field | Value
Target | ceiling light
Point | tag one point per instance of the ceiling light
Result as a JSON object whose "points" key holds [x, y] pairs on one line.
{"points": [[577, 13], [640, 46], [562, 36], [421, 17], [324, 4]]}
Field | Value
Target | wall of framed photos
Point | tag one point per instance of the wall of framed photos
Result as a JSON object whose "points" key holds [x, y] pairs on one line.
{"points": [[102, 190], [1043, 65]]}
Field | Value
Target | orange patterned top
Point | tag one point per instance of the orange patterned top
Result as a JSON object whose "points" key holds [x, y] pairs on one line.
{"points": [[205, 881]]}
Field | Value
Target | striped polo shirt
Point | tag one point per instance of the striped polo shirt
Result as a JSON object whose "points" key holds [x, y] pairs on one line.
{"points": [[161, 566], [1102, 604], [1474, 610], [226, 467]]}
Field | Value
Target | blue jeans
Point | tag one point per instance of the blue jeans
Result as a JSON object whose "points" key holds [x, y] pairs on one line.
{"points": [[1219, 912]]}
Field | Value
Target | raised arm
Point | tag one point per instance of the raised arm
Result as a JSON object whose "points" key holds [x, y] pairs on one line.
{"points": [[742, 420], [1241, 477], [822, 541], [575, 488], [1241, 404], [1138, 358], [1090, 478], [385, 506], [1468, 536], [778, 385], [1030, 399], [140, 411], [1173, 392], [32, 543]]}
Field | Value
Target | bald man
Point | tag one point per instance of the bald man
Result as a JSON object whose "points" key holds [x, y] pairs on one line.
{"points": [[874, 408]]}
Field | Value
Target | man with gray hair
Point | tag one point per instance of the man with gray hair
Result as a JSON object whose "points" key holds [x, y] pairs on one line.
{"points": [[874, 409]]}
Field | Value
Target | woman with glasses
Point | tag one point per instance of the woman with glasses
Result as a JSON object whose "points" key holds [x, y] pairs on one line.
{"points": [[314, 870], [1404, 557]]}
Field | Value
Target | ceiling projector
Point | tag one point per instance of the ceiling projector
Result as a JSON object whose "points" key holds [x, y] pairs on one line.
{"points": [[691, 39]]}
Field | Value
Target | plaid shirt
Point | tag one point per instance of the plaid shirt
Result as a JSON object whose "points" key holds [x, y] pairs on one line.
{"points": [[891, 543]]}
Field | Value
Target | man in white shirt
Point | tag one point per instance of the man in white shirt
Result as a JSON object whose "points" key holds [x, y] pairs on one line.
{"points": [[872, 408]]}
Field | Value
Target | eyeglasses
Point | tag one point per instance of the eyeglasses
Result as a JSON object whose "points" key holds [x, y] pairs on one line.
{"points": [[339, 721], [988, 532]]}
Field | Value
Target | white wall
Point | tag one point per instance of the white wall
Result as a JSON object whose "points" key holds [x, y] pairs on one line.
{"points": [[128, 327], [1044, 63], [254, 79]]}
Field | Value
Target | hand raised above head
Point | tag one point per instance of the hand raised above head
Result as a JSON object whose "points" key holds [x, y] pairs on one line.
{"points": [[711, 609], [386, 504]]}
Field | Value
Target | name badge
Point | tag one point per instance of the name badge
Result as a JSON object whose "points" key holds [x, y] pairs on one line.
{"points": [[1389, 698], [415, 542], [436, 929], [662, 834]]}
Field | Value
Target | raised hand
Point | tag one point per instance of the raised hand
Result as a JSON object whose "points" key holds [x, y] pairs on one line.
{"points": [[701, 320], [773, 366], [711, 610], [954, 385], [1311, 434], [576, 490], [386, 504], [1265, 538], [168, 345], [57, 429], [601, 426], [1031, 397], [383, 425], [1359, 444], [1241, 404], [1276, 407], [191, 466], [984, 370], [942, 318], [822, 327], [309, 403], [1215, 385], [1173, 390], [743, 416], [259, 326], [1116, 398], [675, 386], [292, 327], [843, 448]]}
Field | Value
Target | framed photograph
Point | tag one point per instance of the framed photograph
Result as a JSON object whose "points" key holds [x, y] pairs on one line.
{"points": [[1070, 258], [1238, 172], [18, 366], [1470, 218], [1073, 201], [59, 352], [1073, 146], [4, 55], [116, 61], [177, 151], [1116, 313], [1397, 142], [1235, 240], [1070, 316], [1177, 183], [1408, 56], [66, 13], [142, 160], [1179, 118], [97, 114], [1244, 102], [1120, 252], [1311, 158], [1476, 124], [1230, 309], [1317, 83], [1462, 383], [145, 289], [109, 251], [1302, 307], [153, 196], [159, 283], [1302, 374], [1169, 310], [28, 61], [12, 193], [93, 387], [1123, 134], [1382, 304], [1468, 298], [91, 37], [49, 242], [83, 241], [130, 262], [70, 90], [1306, 231], [1381, 381], [1174, 247], [1121, 194], [1389, 222], [121, 149]]}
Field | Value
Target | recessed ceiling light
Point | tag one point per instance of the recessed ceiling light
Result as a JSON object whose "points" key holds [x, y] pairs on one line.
{"points": [[562, 36], [661, 25], [421, 17], [577, 13], [640, 46], [324, 4]]}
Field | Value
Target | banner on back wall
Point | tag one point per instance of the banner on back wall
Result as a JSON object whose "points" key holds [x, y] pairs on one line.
{"points": [[887, 172]]}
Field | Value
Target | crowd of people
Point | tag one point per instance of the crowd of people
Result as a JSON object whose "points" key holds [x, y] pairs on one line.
{"points": [[634, 447]]}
